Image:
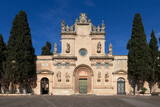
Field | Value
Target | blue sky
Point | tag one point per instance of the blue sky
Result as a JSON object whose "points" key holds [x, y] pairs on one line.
{"points": [[45, 16]]}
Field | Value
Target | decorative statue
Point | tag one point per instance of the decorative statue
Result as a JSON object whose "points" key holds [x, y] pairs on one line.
{"points": [[59, 76], [102, 26], [106, 76], [55, 49], [94, 28], [110, 49], [67, 77], [99, 76], [63, 26], [68, 48], [99, 47], [71, 28], [83, 18], [98, 29], [67, 28]]}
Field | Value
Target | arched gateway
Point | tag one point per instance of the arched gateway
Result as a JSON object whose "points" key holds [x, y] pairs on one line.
{"points": [[83, 79], [44, 86]]}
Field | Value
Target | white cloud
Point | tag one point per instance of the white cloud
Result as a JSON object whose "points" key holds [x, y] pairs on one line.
{"points": [[89, 3], [158, 34]]}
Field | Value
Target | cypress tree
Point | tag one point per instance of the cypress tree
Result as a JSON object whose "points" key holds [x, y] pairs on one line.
{"points": [[10, 73], [29, 72], [2, 56], [154, 61], [21, 59], [139, 55], [46, 50]]}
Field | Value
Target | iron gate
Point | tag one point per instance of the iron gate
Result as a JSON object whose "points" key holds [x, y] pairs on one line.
{"points": [[120, 86]]}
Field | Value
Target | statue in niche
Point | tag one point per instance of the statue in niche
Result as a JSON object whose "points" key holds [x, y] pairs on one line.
{"points": [[106, 76], [99, 76], [67, 28], [63, 26], [71, 28], [68, 48], [102, 26], [83, 18], [55, 49], [99, 47], [110, 49], [67, 77], [59, 76], [94, 28], [98, 29]]}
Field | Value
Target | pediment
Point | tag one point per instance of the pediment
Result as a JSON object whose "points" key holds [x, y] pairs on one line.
{"points": [[120, 72], [44, 71]]}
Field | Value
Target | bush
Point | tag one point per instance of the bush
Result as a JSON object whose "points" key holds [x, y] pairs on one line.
{"points": [[143, 90]]}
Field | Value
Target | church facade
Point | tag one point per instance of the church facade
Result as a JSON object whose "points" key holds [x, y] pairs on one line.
{"points": [[82, 67]]}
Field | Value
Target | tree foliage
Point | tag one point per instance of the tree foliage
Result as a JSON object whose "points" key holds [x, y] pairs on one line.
{"points": [[2, 56], [46, 50], [20, 54], [139, 55]]}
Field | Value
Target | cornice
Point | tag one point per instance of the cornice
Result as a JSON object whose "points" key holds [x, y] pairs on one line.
{"points": [[64, 57], [68, 33], [101, 57]]}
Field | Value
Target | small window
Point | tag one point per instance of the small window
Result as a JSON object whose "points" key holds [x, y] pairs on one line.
{"points": [[98, 65], [67, 64], [83, 52], [106, 65], [59, 64]]}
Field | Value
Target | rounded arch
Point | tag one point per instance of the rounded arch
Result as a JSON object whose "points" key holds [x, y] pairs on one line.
{"points": [[83, 67], [44, 85], [89, 72], [121, 79]]}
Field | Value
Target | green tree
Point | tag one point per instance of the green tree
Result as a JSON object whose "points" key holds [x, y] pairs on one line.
{"points": [[2, 56], [139, 55], [10, 74], [152, 78], [21, 57], [27, 52], [46, 50]]}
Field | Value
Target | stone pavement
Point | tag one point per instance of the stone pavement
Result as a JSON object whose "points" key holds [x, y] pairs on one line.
{"points": [[79, 101]]}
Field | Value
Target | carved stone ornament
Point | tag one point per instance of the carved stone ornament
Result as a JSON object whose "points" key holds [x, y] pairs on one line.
{"points": [[102, 26], [67, 77], [106, 76], [98, 29], [83, 18], [59, 76], [76, 20], [94, 28], [89, 20], [99, 47], [99, 76], [63, 26], [55, 49], [110, 49], [67, 28], [71, 28], [68, 48]]}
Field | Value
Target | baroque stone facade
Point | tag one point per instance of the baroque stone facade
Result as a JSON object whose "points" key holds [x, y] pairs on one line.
{"points": [[82, 66]]}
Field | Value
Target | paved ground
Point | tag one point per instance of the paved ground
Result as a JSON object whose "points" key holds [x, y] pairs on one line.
{"points": [[79, 101]]}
